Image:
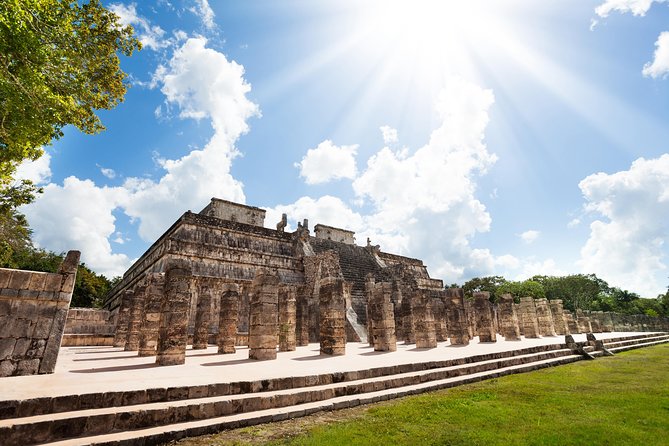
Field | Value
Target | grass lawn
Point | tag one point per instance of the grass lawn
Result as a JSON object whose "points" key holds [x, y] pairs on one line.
{"points": [[616, 400]]}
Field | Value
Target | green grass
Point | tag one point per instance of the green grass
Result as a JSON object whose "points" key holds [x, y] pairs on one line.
{"points": [[610, 401]]}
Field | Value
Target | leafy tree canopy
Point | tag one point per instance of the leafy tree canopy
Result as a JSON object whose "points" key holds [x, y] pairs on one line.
{"points": [[58, 65], [527, 288], [489, 284]]}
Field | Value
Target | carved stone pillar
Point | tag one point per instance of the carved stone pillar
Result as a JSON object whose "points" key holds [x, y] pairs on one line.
{"points": [[484, 323], [426, 336], [173, 334], [302, 316], [202, 318], [529, 315], [332, 316], [544, 317], [121, 334], [559, 322], [508, 320], [571, 323], [287, 318], [457, 319], [263, 320], [227, 320], [380, 309], [136, 316], [148, 332]]}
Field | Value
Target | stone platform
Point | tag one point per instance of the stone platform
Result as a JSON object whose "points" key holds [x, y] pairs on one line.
{"points": [[104, 395]]}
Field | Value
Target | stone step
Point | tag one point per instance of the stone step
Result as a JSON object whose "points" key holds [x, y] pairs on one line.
{"points": [[637, 345], [621, 343], [173, 431], [40, 428]]}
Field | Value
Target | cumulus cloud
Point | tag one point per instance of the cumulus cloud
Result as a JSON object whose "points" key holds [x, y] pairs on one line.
{"points": [[328, 162], [38, 171], [529, 236], [628, 246], [546, 267], [151, 36], [202, 84], [109, 173], [78, 215], [204, 12], [636, 7], [659, 67], [389, 135], [327, 210]]}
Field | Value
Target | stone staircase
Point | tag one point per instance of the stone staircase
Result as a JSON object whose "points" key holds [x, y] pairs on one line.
{"points": [[158, 415]]}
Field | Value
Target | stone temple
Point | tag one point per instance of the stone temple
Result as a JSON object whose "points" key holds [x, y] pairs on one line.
{"points": [[226, 243]]}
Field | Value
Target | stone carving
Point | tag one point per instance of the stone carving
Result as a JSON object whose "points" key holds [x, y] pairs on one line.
{"points": [[484, 322], [544, 317], [281, 226], [287, 318], [121, 335], [148, 332], [135, 318], [508, 320], [263, 320], [173, 333], [227, 321], [202, 318], [332, 316], [33, 311], [457, 319], [426, 336], [529, 317], [381, 317], [559, 321]]}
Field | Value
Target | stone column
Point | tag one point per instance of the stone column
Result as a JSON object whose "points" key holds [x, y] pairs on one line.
{"points": [[571, 323], [544, 317], [519, 314], [264, 320], [148, 332], [607, 325], [529, 315], [136, 316], [302, 316], [595, 321], [202, 318], [457, 319], [287, 316], [559, 322], [438, 311], [583, 322], [380, 310], [484, 322], [227, 320], [508, 320], [407, 317], [123, 319], [471, 317], [173, 333], [332, 316], [426, 336]]}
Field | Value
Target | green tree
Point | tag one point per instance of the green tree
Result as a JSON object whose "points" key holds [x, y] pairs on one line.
{"points": [[58, 65], [489, 284], [576, 290], [527, 288]]}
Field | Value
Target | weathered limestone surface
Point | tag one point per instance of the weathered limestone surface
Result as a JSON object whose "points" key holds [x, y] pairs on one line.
{"points": [[457, 319], [508, 320], [381, 317], [263, 321], [332, 318], [202, 318], [287, 318], [484, 322], [607, 322], [227, 321], [426, 336], [406, 316], [123, 320], [33, 311], [136, 316], [559, 321], [302, 316], [148, 332], [173, 334], [583, 322], [439, 313], [544, 317], [89, 321], [571, 323], [529, 317]]}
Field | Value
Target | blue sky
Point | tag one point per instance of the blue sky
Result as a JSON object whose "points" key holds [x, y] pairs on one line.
{"points": [[512, 137]]}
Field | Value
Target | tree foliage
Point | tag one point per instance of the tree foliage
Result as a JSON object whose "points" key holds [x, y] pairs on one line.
{"points": [[576, 290], [489, 284], [527, 288], [58, 64]]}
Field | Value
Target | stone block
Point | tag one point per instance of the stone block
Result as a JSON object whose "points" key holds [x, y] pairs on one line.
{"points": [[6, 347], [52, 283], [7, 368], [28, 367], [37, 281], [20, 280]]}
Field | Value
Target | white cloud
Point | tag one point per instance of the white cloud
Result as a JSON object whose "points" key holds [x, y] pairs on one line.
{"points": [[574, 222], [636, 7], [327, 210], [204, 12], [328, 162], [151, 36], [78, 215], [660, 65], [629, 246], [389, 135], [529, 236], [109, 173], [546, 267], [38, 171]]}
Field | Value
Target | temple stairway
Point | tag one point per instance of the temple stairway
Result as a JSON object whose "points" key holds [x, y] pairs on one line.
{"points": [[158, 415]]}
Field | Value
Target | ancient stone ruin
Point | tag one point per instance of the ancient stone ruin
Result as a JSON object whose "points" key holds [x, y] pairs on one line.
{"points": [[33, 311]]}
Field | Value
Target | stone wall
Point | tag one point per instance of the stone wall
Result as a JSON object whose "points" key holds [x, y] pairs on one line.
{"points": [[33, 311]]}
